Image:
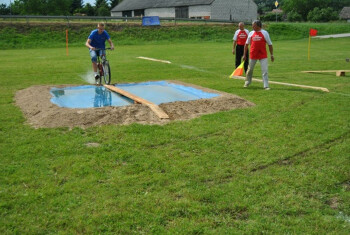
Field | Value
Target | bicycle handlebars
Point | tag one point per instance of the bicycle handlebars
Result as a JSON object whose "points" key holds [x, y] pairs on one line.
{"points": [[108, 48]]}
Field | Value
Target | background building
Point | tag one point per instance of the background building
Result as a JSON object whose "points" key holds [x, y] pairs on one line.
{"points": [[345, 14], [235, 10]]}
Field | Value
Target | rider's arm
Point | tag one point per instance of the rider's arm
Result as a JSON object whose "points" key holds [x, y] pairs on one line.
{"points": [[111, 43], [87, 44]]}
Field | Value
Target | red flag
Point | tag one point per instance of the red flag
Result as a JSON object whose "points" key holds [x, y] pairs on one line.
{"points": [[313, 32], [238, 71]]}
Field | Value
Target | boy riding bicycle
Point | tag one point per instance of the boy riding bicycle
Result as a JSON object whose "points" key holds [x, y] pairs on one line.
{"points": [[96, 44]]}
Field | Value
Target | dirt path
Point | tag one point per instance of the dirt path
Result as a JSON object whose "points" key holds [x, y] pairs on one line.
{"points": [[342, 35]]}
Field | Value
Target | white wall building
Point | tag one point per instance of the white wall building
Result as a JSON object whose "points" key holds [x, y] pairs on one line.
{"points": [[235, 10]]}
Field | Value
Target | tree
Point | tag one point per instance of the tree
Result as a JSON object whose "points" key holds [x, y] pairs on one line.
{"points": [[114, 3], [338, 5], [58, 7], [322, 15], [41, 7], [101, 3], [102, 8], [76, 5], [4, 10], [103, 11], [88, 10], [294, 16], [267, 5], [303, 7]]}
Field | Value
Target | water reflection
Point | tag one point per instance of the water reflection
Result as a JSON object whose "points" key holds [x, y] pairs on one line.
{"points": [[103, 97], [87, 97]]}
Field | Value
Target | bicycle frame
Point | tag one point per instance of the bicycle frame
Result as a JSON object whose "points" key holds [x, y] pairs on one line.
{"points": [[103, 67]]}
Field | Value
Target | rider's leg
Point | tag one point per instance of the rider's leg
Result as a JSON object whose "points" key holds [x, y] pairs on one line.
{"points": [[93, 56], [94, 67]]}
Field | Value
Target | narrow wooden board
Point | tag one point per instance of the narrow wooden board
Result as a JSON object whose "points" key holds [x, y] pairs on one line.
{"points": [[287, 84], [155, 108], [152, 59], [325, 71]]}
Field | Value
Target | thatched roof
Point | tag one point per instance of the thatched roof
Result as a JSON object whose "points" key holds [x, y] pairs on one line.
{"points": [[345, 13], [128, 5]]}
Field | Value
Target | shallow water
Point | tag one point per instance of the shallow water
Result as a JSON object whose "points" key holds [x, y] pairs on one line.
{"points": [[89, 96]]}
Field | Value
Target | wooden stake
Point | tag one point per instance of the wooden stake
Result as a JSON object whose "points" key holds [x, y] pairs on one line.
{"points": [[155, 108], [338, 73], [67, 42]]}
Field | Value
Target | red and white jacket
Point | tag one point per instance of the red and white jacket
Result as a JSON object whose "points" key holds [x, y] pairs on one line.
{"points": [[258, 41], [241, 36]]}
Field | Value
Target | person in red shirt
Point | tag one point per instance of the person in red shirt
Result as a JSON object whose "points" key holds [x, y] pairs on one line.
{"points": [[257, 39], [239, 39]]}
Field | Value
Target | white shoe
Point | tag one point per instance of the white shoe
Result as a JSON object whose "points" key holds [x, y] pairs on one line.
{"points": [[97, 79], [246, 84], [267, 88]]}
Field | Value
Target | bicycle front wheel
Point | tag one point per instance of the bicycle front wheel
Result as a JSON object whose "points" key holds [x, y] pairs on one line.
{"points": [[107, 73]]}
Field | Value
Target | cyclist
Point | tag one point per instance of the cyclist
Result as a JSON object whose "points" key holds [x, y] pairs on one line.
{"points": [[96, 44]]}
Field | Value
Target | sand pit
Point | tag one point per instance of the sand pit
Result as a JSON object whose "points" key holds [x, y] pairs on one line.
{"points": [[40, 112]]}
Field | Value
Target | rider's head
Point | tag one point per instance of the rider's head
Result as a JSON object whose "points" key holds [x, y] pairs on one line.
{"points": [[101, 27]]}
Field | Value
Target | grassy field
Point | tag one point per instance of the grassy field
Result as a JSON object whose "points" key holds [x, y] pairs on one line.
{"points": [[280, 167], [50, 34]]}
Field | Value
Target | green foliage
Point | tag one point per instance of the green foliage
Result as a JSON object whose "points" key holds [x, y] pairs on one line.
{"points": [[76, 6], [103, 11], [267, 5], [280, 167], [272, 17], [88, 10], [304, 7], [40, 7], [287, 31], [322, 15], [114, 3], [4, 9], [58, 7], [294, 16]]}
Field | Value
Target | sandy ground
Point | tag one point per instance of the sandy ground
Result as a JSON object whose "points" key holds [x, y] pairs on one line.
{"points": [[40, 112]]}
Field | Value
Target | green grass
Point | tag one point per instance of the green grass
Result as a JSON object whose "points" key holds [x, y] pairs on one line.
{"points": [[280, 167], [53, 34]]}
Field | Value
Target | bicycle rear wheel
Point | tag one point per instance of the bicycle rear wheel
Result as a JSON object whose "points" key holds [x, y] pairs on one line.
{"points": [[106, 72]]}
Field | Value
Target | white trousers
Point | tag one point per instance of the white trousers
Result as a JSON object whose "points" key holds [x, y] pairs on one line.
{"points": [[264, 71]]}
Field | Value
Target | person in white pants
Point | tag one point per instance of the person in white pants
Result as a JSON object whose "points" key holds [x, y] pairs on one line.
{"points": [[257, 39]]}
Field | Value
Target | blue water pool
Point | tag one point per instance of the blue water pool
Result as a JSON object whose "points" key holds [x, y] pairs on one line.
{"points": [[89, 96]]}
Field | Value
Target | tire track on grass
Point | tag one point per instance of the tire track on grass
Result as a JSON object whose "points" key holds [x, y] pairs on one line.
{"points": [[288, 160], [222, 132]]}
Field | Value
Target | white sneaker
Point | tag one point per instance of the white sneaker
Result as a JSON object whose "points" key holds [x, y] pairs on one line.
{"points": [[97, 79], [267, 88], [246, 84]]}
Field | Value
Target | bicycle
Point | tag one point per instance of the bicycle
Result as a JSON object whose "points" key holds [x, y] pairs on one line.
{"points": [[103, 68]]}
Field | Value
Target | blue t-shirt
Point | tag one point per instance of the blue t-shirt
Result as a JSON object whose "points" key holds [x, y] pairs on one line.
{"points": [[98, 40]]}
